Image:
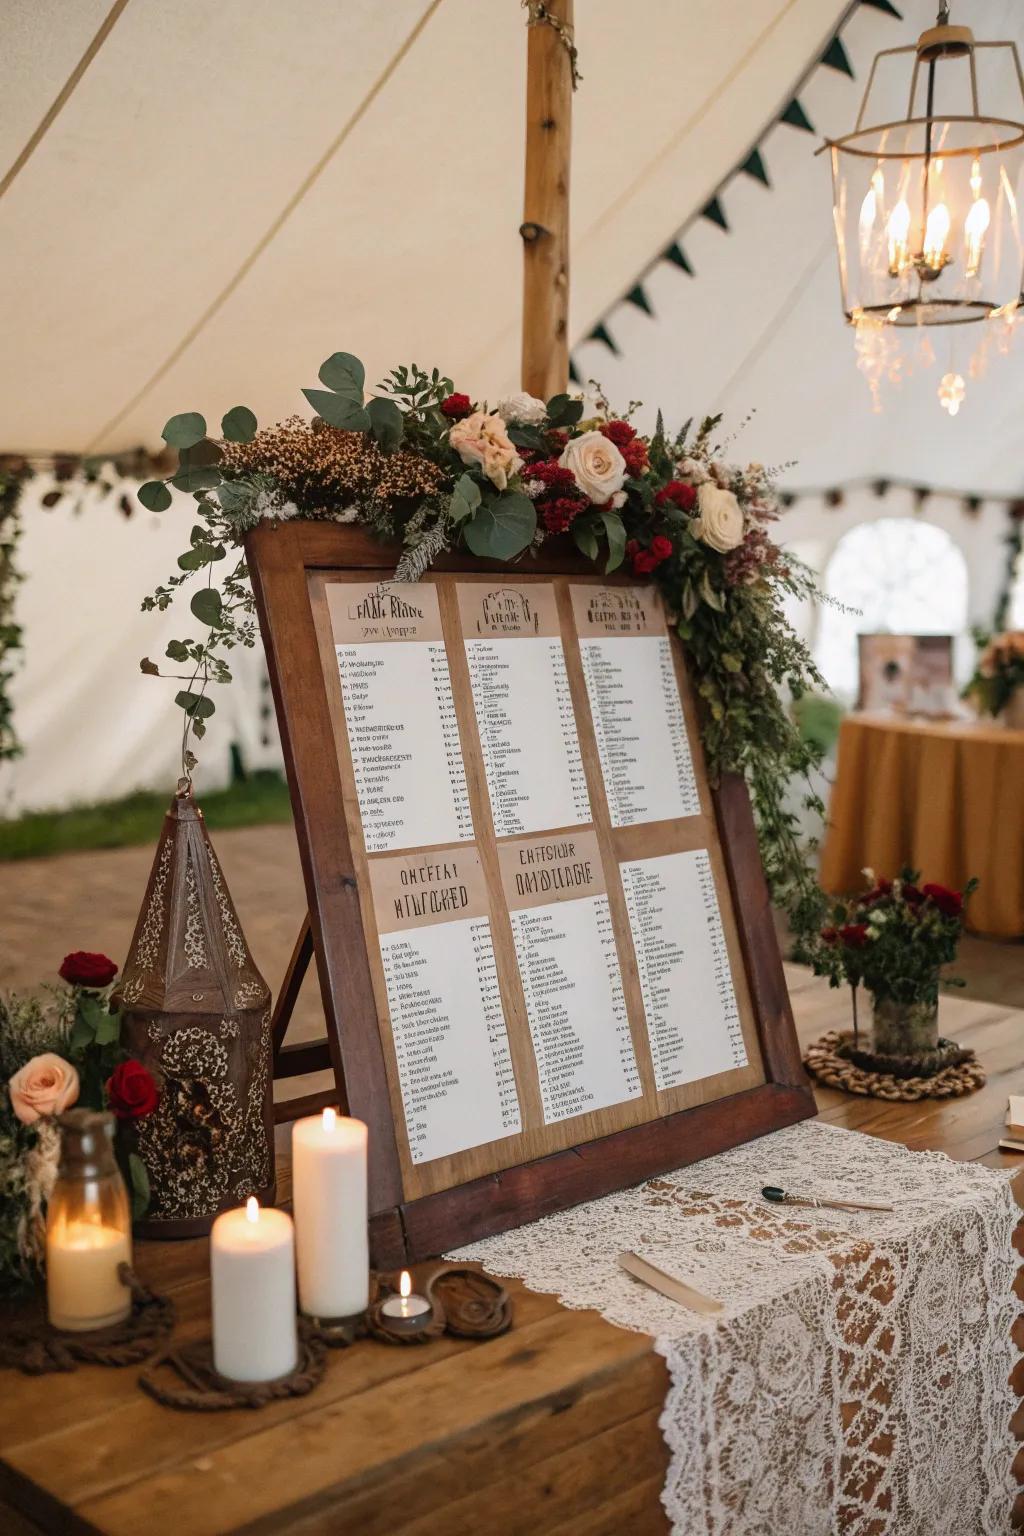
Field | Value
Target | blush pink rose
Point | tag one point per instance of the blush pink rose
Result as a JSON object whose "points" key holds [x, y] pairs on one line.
{"points": [[46, 1085], [482, 439]]}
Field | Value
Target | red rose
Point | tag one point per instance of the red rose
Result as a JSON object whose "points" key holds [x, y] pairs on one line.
{"points": [[854, 935], [661, 547], [132, 1092], [830, 935], [644, 562], [677, 494], [911, 895], [456, 406], [950, 903], [82, 969]]}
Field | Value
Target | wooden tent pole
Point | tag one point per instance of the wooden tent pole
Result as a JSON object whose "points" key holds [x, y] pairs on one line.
{"points": [[545, 226]]}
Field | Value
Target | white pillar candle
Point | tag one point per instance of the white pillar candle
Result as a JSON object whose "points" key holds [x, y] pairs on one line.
{"points": [[329, 1200], [252, 1268], [83, 1289]]}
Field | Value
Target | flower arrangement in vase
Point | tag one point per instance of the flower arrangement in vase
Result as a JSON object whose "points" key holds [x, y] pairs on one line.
{"points": [[997, 687], [894, 939], [57, 1051]]}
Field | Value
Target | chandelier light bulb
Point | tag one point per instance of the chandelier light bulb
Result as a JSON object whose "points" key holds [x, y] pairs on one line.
{"points": [[975, 227], [936, 233], [898, 233]]}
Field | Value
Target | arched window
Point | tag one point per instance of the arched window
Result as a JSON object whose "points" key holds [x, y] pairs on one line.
{"points": [[904, 576], [1015, 612]]}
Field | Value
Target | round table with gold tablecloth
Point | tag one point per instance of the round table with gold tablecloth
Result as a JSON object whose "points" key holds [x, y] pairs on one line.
{"points": [[946, 797]]}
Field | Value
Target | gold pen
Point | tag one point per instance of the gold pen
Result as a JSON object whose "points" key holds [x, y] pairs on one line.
{"points": [[783, 1197]]}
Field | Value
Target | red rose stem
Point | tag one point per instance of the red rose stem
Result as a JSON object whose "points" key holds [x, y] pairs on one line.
{"points": [[545, 226]]}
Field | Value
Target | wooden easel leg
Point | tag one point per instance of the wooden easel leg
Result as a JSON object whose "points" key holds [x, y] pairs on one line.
{"points": [[305, 1056]]}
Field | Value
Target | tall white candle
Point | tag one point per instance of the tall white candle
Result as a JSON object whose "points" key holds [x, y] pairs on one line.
{"points": [[252, 1268], [329, 1200]]}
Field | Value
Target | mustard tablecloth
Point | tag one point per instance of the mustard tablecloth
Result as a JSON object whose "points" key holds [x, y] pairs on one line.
{"points": [[945, 797]]}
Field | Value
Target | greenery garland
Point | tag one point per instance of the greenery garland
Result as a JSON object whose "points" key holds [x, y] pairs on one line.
{"points": [[423, 465]]}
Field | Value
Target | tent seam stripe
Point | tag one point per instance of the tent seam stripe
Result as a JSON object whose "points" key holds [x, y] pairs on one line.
{"points": [[271, 232], [64, 95]]}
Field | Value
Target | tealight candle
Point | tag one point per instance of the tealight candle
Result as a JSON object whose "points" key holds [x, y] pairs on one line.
{"points": [[329, 1200], [407, 1311], [252, 1269]]}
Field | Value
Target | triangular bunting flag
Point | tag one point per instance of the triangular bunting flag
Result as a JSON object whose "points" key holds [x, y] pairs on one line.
{"points": [[886, 6], [600, 333], [754, 166], [714, 212], [639, 298], [836, 57], [574, 373], [677, 256], [797, 117]]}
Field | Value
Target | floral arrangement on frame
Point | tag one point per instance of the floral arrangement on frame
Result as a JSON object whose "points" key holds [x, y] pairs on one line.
{"points": [[422, 465], [56, 1051], [998, 681]]}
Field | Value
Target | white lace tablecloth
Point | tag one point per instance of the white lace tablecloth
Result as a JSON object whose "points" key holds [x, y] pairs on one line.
{"points": [[858, 1379]]}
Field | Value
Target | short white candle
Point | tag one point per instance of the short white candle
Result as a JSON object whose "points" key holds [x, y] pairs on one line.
{"points": [[252, 1267], [406, 1303], [329, 1201], [82, 1286]]}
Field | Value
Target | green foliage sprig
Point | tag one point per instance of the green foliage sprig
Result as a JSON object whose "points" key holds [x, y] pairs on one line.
{"points": [[726, 596]]}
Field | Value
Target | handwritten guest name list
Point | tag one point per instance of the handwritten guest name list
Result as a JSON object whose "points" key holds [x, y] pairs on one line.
{"points": [[634, 700], [444, 1002], [523, 707], [569, 969], [399, 714], [689, 1003]]}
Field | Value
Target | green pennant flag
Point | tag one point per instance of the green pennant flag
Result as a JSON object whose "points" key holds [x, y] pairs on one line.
{"points": [[574, 373], [886, 6], [677, 256], [797, 117], [754, 166], [836, 57], [639, 298], [601, 333], [713, 211]]}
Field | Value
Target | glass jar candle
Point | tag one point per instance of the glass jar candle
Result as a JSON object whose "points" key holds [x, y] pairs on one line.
{"points": [[88, 1227]]}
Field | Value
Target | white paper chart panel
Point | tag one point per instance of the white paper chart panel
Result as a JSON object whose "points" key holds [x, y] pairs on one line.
{"points": [[524, 713], [693, 1022], [400, 718], [634, 699], [569, 968], [444, 1002]]}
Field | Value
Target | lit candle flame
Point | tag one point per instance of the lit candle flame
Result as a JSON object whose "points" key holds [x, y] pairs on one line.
{"points": [[252, 1209], [935, 237], [975, 227], [897, 231], [405, 1284], [330, 1119], [873, 200]]}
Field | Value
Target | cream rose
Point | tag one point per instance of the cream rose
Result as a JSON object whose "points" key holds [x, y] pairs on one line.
{"points": [[481, 439], [46, 1085], [692, 470], [719, 520], [523, 408], [597, 466]]}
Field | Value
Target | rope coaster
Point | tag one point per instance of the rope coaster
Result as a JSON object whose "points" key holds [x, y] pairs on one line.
{"points": [[35, 1348], [199, 1388], [826, 1060]]}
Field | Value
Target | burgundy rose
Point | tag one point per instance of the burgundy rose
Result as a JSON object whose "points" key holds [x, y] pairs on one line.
{"points": [[950, 903], [661, 547], [456, 406], [854, 935], [911, 895], [82, 969], [830, 935], [132, 1091]]}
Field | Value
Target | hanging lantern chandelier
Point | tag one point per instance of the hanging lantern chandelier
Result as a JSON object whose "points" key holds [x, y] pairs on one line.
{"points": [[925, 205]]}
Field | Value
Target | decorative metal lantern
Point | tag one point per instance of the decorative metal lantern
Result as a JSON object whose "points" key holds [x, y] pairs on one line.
{"points": [[196, 1011], [926, 205]]}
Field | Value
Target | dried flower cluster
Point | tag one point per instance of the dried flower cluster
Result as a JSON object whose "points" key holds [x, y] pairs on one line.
{"points": [[322, 469]]}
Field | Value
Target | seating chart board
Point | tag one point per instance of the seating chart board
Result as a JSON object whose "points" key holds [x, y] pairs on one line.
{"points": [[522, 883]]}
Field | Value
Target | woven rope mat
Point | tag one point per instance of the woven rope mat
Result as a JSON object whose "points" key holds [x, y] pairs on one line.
{"points": [[823, 1061]]}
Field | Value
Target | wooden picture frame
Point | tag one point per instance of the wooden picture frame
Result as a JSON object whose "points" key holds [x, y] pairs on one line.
{"points": [[285, 561]]}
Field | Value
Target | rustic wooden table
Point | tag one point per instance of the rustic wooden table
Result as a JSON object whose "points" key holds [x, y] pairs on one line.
{"points": [[552, 1429]]}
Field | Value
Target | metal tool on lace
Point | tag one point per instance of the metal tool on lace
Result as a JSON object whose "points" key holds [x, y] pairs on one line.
{"points": [[786, 1197]]}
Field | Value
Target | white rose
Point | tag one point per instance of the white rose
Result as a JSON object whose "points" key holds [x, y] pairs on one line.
{"points": [[523, 408], [597, 466], [692, 470], [719, 519]]}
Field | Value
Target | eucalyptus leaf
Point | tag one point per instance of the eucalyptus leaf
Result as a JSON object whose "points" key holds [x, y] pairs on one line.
{"points": [[465, 499], [339, 410], [177, 650], [208, 606], [196, 705], [616, 533], [184, 431], [585, 537], [710, 596], [344, 374], [386, 423], [563, 411], [199, 455], [528, 437], [196, 477], [155, 496], [238, 425], [149, 668], [502, 527]]}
